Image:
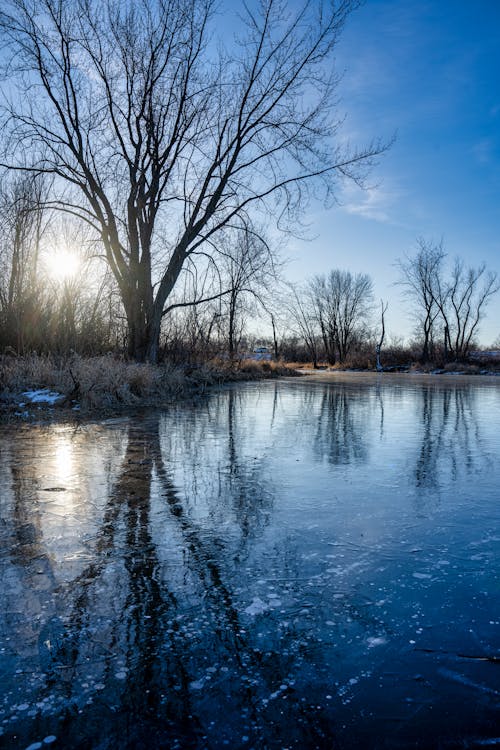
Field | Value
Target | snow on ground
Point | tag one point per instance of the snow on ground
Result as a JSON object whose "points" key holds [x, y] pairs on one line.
{"points": [[42, 396]]}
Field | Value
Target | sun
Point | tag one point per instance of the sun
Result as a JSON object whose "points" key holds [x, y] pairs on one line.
{"points": [[63, 264]]}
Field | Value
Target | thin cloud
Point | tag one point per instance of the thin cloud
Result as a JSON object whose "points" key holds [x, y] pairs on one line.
{"points": [[373, 203]]}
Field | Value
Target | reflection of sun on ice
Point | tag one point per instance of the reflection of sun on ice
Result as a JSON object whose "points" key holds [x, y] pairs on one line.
{"points": [[63, 461], [63, 264]]}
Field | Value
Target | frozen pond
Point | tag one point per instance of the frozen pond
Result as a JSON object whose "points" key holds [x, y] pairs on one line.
{"points": [[283, 565]]}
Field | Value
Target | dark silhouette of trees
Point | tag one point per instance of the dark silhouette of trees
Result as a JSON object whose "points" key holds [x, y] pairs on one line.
{"points": [[158, 138], [22, 225]]}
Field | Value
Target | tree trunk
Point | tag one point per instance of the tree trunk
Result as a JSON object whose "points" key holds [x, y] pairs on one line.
{"points": [[231, 335], [143, 333], [275, 340]]}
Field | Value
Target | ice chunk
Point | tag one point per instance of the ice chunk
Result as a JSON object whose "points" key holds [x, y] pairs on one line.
{"points": [[257, 607]]}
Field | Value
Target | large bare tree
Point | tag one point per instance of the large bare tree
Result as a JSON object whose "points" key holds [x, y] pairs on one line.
{"points": [[159, 136], [454, 300], [422, 277], [462, 303], [343, 305]]}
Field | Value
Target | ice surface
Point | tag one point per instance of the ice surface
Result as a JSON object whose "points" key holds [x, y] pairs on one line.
{"points": [[279, 565]]}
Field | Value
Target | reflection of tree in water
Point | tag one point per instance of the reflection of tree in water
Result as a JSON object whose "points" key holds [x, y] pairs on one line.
{"points": [[243, 481], [27, 593], [449, 436], [232, 486], [146, 653], [339, 436]]}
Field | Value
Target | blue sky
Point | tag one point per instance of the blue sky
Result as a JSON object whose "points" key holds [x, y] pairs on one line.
{"points": [[429, 72]]}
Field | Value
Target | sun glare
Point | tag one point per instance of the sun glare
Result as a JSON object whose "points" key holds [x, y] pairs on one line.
{"points": [[63, 265]]}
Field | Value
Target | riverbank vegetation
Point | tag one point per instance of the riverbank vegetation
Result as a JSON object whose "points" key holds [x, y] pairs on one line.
{"points": [[109, 383]]}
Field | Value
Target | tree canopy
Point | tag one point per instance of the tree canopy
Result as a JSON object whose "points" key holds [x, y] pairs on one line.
{"points": [[159, 136]]}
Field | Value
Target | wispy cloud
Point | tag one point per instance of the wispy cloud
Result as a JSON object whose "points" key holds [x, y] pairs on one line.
{"points": [[374, 203]]}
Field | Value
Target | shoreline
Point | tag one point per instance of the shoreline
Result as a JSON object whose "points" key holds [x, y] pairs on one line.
{"points": [[49, 406], [492, 377]]}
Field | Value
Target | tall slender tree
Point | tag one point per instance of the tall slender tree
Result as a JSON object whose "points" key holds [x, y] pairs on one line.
{"points": [[421, 275]]}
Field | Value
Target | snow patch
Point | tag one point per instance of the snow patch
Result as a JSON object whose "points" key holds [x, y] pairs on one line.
{"points": [[42, 396]]}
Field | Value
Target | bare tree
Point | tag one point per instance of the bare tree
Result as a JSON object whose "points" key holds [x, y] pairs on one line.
{"points": [[456, 300], [343, 303], [22, 225], [467, 294], [300, 307], [218, 295], [247, 269], [157, 140], [422, 276], [325, 316], [275, 307]]}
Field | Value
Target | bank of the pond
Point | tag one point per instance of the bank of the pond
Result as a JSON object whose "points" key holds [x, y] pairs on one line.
{"points": [[371, 377], [49, 387], [36, 386]]}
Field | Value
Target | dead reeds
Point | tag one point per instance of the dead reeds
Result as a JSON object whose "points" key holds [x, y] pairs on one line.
{"points": [[109, 382]]}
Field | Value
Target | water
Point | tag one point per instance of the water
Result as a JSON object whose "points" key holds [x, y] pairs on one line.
{"points": [[282, 565]]}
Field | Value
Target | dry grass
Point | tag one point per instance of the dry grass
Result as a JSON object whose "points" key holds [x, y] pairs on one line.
{"points": [[109, 383], [305, 365], [259, 369], [97, 382]]}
